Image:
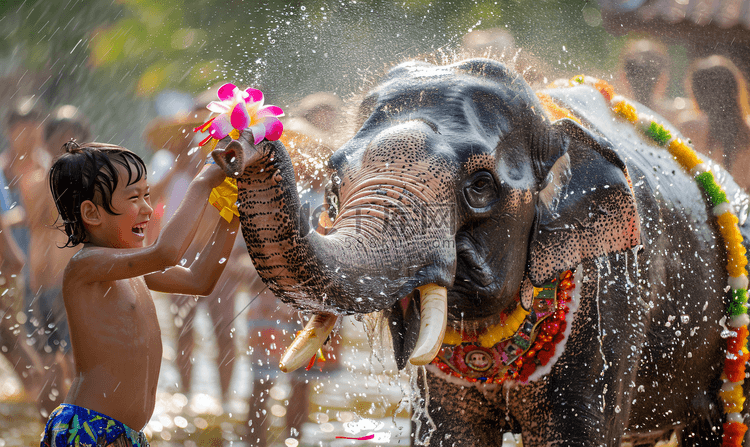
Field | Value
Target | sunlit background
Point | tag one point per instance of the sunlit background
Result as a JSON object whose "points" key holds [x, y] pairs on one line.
{"points": [[112, 59]]}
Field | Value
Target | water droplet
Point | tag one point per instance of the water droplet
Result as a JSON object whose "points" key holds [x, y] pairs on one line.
{"points": [[222, 260]]}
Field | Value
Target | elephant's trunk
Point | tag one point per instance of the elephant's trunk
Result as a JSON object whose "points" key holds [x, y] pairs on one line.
{"points": [[392, 235]]}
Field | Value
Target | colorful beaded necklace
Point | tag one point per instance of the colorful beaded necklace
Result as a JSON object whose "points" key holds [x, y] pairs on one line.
{"points": [[737, 318], [514, 349]]}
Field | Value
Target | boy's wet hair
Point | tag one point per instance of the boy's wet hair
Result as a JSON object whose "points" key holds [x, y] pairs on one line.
{"points": [[89, 172]]}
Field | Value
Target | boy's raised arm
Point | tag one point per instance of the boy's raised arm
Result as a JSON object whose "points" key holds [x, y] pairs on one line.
{"points": [[203, 274], [109, 264]]}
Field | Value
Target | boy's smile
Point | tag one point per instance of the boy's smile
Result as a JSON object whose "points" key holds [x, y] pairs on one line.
{"points": [[138, 229]]}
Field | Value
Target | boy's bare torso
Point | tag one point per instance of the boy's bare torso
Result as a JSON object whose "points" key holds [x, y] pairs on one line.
{"points": [[116, 322]]}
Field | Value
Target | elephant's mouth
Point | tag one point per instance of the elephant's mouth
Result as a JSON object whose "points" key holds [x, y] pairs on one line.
{"points": [[432, 317], [479, 290]]}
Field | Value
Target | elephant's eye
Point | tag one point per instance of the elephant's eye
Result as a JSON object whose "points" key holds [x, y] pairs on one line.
{"points": [[481, 191]]}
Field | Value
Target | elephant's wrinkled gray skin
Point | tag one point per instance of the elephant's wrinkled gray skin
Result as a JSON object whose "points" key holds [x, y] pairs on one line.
{"points": [[527, 199]]}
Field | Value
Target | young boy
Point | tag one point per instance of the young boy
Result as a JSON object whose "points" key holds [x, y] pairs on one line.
{"points": [[103, 199]]}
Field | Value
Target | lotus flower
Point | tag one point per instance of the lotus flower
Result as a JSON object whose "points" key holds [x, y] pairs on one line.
{"points": [[240, 110]]}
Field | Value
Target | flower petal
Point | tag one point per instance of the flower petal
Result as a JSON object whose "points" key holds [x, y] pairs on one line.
{"points": [[220, 127], [259, 132], [274, 128], [270, 111], [240, 118], [226, 91], [254, 95], [240, 95], [218, 107]]}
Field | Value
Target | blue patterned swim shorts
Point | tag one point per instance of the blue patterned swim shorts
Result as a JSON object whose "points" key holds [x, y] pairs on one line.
{"points": [[74, 426]]}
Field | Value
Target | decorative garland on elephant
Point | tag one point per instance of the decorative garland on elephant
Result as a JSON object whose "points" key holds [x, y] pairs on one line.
{"points": [[737, 320], [524, 342]]}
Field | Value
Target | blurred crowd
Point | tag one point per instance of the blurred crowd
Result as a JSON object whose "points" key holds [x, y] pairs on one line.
{"points": [[713, 112]]}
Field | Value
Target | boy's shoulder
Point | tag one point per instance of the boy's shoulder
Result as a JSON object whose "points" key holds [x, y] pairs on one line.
{"points": [[82, 260], [78, 260]]}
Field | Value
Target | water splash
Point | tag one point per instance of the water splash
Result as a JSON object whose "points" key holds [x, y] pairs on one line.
{"points": [[420, 404]]}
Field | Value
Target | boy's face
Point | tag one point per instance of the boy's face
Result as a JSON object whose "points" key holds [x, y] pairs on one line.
{"points": [[133, 205]]}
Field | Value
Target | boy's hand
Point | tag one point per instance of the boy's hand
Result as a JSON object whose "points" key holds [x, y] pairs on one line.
{"points": [[212, 174]]}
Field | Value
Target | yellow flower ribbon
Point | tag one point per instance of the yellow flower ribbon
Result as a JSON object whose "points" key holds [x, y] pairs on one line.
{"points": [[224, 199]]}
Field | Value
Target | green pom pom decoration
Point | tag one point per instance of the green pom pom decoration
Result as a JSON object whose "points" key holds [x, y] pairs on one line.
{"points": [[738, 306], [658, 133], [740, 295], [713, 190]]}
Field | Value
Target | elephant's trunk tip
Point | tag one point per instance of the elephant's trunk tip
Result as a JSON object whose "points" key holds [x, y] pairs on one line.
{"points": [[230, 159]]}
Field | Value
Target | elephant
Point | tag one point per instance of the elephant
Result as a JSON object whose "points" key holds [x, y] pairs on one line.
{"points": [[457, 187]]}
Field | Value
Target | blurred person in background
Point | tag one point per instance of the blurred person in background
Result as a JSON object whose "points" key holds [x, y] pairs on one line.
{"points": [[309, 136], [15, 343], [645, 75], [65, 123], [46, 260], [23, 132], [720, 93]]}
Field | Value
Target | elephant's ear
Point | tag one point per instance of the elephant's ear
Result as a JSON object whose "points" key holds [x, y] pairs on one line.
{"points": [[589, 211]]}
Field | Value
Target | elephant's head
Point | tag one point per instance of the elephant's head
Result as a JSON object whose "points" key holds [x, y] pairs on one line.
{"points": [[456, 178]]}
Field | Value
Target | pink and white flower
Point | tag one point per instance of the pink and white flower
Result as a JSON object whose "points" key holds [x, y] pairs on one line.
{"points": [[243, 109]]}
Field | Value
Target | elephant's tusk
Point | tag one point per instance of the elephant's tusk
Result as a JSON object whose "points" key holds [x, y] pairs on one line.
{"points": [[307, 342], [433, 320]]}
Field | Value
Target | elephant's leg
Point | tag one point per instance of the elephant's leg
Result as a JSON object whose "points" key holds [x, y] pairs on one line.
{"points": [[462, 415], [585, 400]]}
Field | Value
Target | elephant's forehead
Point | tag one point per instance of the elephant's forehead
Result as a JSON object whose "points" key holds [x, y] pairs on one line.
{"points": [[406, 147], [399, 143]]}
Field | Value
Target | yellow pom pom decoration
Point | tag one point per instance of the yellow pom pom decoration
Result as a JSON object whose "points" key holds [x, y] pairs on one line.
{"points": [[626, 111], [684, 155], [733, 399]]}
